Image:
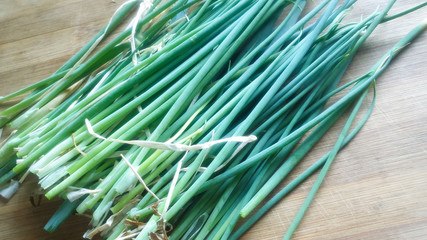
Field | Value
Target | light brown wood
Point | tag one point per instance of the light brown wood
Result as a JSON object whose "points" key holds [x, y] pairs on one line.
{"points": [[376, 188]]}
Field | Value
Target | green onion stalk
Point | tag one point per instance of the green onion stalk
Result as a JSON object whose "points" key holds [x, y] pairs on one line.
{"points": [[154, 133]]}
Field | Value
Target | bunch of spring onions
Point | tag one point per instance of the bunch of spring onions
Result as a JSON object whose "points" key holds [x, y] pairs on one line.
{"points": [[187, 120]]}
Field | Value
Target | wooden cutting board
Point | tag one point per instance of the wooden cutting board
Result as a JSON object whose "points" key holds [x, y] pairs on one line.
{"points": [[376, 188]]}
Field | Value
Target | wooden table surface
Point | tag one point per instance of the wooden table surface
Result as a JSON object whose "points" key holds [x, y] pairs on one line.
{"points": [[376, 188]]}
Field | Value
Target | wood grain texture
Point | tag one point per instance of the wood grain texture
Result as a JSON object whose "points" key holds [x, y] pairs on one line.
{"points": [[376, 188]]}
